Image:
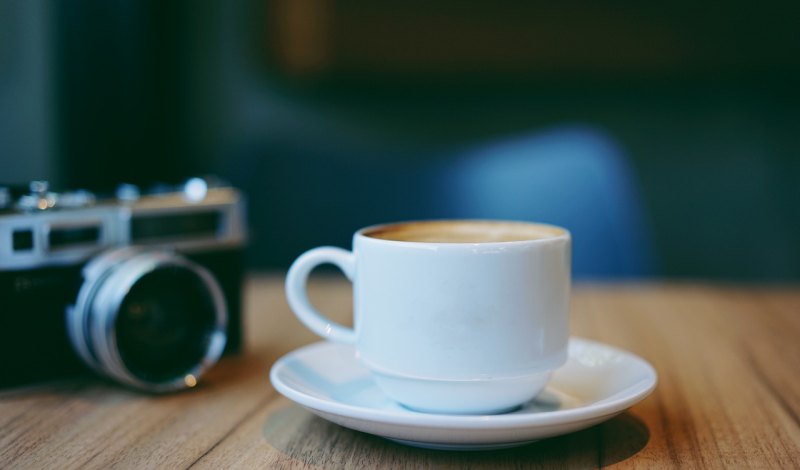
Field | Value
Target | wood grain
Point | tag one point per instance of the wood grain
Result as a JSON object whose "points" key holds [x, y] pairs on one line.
{"points": [[728, 395]]}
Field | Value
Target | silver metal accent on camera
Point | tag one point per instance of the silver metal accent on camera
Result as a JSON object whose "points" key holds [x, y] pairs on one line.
{"points": [[40, 199], [91, 322], [127, 193], [39, 186], [5, 198], [76, 199], [195, 189], [113, 221]]}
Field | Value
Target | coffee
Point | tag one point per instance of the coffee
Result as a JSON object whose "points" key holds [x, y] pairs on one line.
{"points": [[464, 231]]}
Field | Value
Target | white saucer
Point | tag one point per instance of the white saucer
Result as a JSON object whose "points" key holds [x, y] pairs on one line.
{"points": [[597, 382]]}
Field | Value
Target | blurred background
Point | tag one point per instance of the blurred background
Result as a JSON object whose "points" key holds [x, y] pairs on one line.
{"points": [[665, 136]]}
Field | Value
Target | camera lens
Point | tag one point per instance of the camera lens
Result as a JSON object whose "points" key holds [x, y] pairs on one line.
{"points": [[150, 319], [164, 323]]}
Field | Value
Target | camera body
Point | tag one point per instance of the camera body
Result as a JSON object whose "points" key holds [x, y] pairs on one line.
{"points": [[143, 288]]}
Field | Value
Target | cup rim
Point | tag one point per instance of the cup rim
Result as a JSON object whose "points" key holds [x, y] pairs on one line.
{"points": [[562, 233]]}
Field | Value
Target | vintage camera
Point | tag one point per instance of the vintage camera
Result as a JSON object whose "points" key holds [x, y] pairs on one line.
{"points": [[141, 287]]}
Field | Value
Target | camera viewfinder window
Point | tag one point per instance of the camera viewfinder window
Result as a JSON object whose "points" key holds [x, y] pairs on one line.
{"points": [[199, 224], [67, 237], [22, 240]]}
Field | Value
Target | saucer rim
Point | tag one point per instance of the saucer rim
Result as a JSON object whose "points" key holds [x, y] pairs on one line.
{"points": [[631, 395]]}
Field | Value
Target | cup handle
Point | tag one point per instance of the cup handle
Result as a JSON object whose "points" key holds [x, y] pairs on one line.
{"points": [[298, 299]]}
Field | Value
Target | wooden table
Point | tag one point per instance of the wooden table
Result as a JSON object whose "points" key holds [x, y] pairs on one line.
{"points": [[728, 359]]}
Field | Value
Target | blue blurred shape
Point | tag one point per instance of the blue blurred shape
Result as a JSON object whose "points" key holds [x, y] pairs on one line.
{"points": [[576, 177]]}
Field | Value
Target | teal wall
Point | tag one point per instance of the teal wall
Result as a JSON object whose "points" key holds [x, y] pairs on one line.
{"points": [[717, 164], [151, 91]]}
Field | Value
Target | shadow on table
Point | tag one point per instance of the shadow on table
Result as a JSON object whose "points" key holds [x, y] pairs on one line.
{"points": [[304, 437]]}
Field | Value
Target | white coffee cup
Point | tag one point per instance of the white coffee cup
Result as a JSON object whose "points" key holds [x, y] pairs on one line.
{"points": [[460, 316]]}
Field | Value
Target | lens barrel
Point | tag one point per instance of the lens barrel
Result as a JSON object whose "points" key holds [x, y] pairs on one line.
{"points": [[148, 318]]}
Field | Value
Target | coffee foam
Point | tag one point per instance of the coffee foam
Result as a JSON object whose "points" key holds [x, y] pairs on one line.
{"points": [[464, 231]]}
